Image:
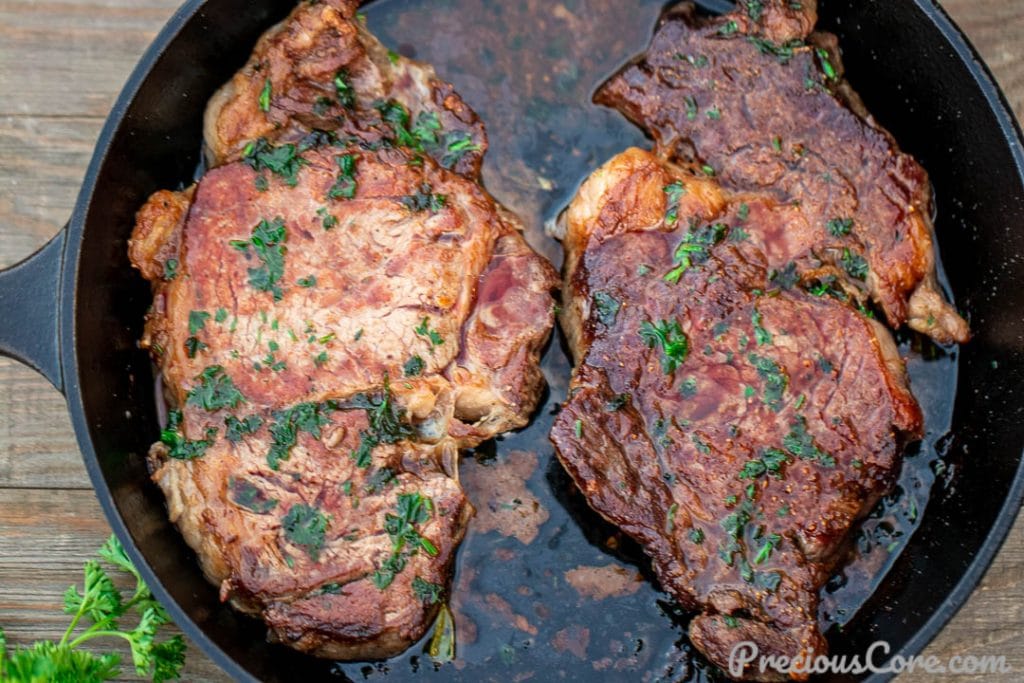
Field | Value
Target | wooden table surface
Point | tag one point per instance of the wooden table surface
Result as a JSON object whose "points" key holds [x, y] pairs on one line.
{"points": [[62, 62]]}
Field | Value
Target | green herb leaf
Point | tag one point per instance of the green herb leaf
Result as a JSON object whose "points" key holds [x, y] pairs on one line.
{"points": [[267, 242], [283, 161], [265, 95], [288, 423], [246, 494], [673, 342], [424, 200], [839, 227], [346, 95], [345, 185], [427, 592], [386, 423], [306, 526], [413, 367], [215, 390], [607, 308], [424, 330]]}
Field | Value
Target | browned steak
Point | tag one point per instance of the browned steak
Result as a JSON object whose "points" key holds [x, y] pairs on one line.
{"points": [[321, 69], [757, 100], [334, 318], [733, 424]]}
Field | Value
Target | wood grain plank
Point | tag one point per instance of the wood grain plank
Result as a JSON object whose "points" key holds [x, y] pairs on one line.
{"points": [[70, 57], [62, 64], [36, 574]]}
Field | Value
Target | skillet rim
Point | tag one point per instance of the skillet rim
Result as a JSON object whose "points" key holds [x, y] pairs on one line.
{"points": [[1010, 132]]}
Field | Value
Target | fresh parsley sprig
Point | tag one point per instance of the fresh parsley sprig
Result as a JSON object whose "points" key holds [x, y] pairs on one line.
{"points": [[103, 607]]}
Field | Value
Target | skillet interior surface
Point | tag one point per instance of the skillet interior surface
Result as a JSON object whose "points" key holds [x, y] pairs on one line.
{"points": [[529, 69]]}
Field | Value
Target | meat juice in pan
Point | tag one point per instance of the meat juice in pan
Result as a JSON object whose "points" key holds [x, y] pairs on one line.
{"points": [[544, 588]]}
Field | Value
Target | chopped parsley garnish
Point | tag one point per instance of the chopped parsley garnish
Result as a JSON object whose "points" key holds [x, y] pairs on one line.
{"points": [[607, 308], [386, 420], [343, 89], [673, 342], [854, 264], [754, 9], [413, 367], [305, 526], [345, 185], [457, 144], [307, 282], [170, 269], [770, 462], [674, 192], [320, 359], [801, 443], [412, 509], [827, 286], [694, 249], [267, 242], [826, 65], [283, 161], [688, 388], [839, 227], [775, 380], [194, 345], [424, 200], [246, 494], [197, 321], [762, 335], [427, 592], [179, 447], [326, 219], [265, 95], [235, 429], [771, 542], [691, 107], [781, 51], [728, 28], [397, 116], [215, 390], [433, 335], [222, 315], [288, 423], [697, 535], [787, 278]]}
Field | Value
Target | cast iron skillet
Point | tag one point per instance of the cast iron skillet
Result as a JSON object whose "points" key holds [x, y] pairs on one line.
{"points": [[74, 310]]}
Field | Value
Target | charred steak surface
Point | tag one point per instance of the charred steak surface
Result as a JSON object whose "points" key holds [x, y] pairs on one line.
{"points": [[339, 307], [759, 100], [732, 423]]}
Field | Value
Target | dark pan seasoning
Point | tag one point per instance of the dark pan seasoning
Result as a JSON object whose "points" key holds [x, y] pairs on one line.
{"points": [[545, 589]]}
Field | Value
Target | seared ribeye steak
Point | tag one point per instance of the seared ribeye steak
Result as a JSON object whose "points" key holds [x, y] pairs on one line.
{"points": [[321, 69], [732, 423], [334, 317], [759, 101]]}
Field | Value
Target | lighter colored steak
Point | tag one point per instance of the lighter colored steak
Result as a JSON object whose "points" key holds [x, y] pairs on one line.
{"points": [[335, 316]]}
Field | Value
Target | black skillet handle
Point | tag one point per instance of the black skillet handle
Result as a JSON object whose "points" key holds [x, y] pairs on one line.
{"points": [[30, 310]]}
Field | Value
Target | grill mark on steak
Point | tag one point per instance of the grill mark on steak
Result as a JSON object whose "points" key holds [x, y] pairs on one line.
{"points": [[762, 103], [742, 469], [328, 356]]}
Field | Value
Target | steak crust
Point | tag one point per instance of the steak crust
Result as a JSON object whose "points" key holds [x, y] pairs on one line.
{"points": [[321, 69], [760, 101], [335, 315], [736, 427]]}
